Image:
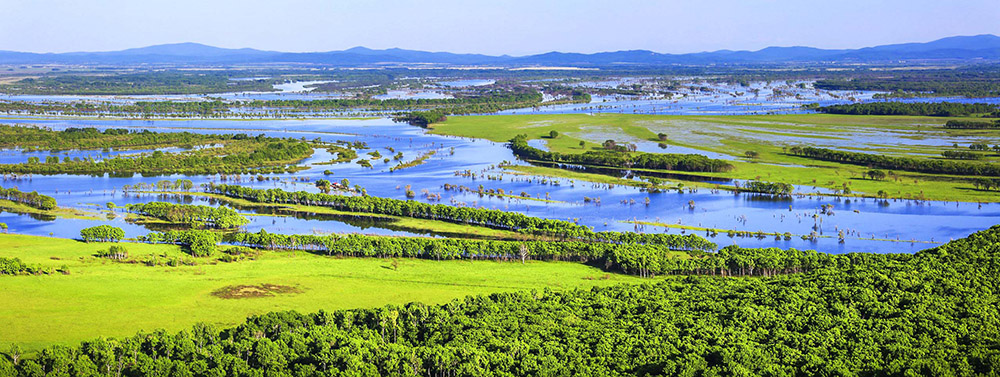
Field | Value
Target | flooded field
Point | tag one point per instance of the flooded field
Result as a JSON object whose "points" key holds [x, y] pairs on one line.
{"points": [[868, 225]]}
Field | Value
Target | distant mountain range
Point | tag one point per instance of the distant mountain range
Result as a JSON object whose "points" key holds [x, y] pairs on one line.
{"points": [[960, 48]]}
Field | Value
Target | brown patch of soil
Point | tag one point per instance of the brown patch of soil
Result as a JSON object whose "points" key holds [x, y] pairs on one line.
{"points": [[253, 291]]}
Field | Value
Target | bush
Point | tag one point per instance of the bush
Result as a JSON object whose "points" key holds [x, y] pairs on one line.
{"points": [[103, 233]]}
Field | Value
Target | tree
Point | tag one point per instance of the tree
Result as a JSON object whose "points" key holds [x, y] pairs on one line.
{"points": [[876, 174], [553, 134], [324, 186], [751, 154], [103, 233]]}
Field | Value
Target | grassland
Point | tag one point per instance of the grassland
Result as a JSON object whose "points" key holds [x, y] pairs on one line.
{"points": [[104, 298], [768, 135]]}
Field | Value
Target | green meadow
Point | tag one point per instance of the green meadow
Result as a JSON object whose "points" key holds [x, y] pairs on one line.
{"points": [[103, 298], [768, 135]]}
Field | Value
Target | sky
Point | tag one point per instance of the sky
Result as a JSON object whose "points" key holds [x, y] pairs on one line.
{"points": [[515, 27]]}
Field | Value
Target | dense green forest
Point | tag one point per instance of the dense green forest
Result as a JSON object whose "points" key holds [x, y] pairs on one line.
{"points": [[940, 109], [617, 158], [934, 313], [899, 163]]}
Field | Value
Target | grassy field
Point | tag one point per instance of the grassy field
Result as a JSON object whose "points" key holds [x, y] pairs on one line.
{"points": [[104, 298], [768, 135]]}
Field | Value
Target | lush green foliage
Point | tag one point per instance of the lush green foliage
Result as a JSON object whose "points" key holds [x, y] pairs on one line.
{"points": [[103, 233], [972, 124], [422, 118], [196, 216], [117, 252], [986, 183], [444, 249], [198, 243], [962, 155], [34, 138], [933, 313], [767, 188], [32, 199], [665, 161], [899, 163], [252, 155], [941, 109]]}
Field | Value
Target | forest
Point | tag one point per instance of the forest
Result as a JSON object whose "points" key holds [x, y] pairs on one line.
{"points": [[931, 313], [938, 109]]}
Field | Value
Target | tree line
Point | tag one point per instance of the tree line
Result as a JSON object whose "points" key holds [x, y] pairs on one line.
{"points": [[938, 109], [615, 158], [31, 199], [631, 258], [899, 163], [36, 138], [932, 313], [252, 155], [972, 124], [970, 83]]}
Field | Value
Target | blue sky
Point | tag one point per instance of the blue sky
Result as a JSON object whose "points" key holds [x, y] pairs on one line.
{"points": [[514, 27]]}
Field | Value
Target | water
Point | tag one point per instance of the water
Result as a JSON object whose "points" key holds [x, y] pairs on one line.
{"points": [[702, 98], [927, 223], [413, 94], [466, 83], [692, 97]]}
